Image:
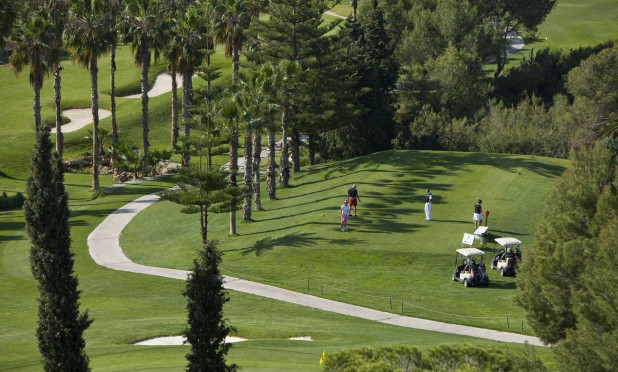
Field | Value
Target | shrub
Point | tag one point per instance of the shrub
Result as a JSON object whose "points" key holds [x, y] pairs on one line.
{"points": [[11, 202]]}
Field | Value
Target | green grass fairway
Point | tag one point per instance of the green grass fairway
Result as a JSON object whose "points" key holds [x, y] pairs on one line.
{"points": [[573, 24], [129, 307], [390, 254]]}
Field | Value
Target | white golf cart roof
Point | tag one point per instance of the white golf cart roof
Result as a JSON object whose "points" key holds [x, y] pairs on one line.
{"points": [[507, 242], [470, 252]]}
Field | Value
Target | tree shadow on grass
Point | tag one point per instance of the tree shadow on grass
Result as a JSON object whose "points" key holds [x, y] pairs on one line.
{"points": [[294, 240]]}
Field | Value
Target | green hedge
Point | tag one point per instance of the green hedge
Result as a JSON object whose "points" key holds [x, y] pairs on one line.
{"points": [[11, 202]]}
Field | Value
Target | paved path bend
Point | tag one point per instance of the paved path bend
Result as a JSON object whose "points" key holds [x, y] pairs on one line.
{"points": [[104, 247]]}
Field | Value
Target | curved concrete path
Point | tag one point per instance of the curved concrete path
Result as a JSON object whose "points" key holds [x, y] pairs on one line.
{"points": [[104, 247], [162, 85], [79, 118]]}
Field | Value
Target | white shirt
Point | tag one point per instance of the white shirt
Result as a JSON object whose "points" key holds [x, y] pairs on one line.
{"points": [[345, 210]]}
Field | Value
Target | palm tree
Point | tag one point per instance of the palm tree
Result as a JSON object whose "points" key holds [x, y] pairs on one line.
{"points": [[57, 11], [145, 31], [114, 13], [284, 76], [32, 43], [86, 36], [252, 102], [191, 43], [234, 18], [229, 116]]}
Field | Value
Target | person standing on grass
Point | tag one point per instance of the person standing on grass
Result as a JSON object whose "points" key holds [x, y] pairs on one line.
{"points": [[478, 214], [345, 211], [353, 197], [428, 209]]}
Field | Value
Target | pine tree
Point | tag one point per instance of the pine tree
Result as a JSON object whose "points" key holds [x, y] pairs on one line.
{"points": [[370, 127], [60, 325], [567, 284], [203, 191], [293, 32]]}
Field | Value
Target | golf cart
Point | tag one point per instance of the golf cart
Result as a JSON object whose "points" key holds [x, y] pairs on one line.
{"points": [[467, 270], [510, 254]]}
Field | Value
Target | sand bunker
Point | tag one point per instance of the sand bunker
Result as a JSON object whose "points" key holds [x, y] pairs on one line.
{"points": [[79, 118], [181, 340]]}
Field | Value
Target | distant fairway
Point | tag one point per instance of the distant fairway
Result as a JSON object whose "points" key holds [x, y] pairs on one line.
{"points": [[390, 254]]}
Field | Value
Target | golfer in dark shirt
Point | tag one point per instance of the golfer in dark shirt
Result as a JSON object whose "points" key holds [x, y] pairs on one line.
{"points": [[354, 198]]}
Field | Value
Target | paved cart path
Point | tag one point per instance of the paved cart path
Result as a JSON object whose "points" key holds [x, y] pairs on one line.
{"points": [[104, 247]]}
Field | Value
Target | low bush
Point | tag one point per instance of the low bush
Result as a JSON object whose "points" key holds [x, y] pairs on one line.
{"points": [[11, 202]]}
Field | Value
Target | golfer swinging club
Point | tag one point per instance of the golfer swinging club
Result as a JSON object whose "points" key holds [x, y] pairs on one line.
{"points": [[353, 197]]}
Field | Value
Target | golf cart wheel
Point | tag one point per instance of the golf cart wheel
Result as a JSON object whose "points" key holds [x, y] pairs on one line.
{"points": [[467, 283], [502, 272], [453, 278]]}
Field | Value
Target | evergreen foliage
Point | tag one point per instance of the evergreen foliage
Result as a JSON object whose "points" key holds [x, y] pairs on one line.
{"points": [[203, 191], [10, 202], [374, 127], [207, 328], [442, 358], [60, 325], [567, 284]]}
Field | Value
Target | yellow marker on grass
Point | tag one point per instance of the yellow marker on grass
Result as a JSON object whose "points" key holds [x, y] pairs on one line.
{"points": [[323, 357]]}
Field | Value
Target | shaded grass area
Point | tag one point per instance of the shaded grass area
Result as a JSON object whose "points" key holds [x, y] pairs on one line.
{"points": [[129, 307], [390, 254]]}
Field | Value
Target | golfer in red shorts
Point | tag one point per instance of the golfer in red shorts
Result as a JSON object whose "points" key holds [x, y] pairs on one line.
{"points": [[354, 198]]}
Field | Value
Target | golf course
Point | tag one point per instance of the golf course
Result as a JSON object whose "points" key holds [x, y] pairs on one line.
{"points": [[391, 260]]}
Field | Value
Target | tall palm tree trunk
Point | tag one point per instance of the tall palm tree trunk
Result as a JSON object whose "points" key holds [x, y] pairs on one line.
{"points": [[174, 134], [257, 156], [37, 84], [284, 163], [57, 99], [295, 151], [271, 174], [112, 98], [233, 175], [187, 98], [144, 84], [235, 62], [94, 94], [248, 177]]}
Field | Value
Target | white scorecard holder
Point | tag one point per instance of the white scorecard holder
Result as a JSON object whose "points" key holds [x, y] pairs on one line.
{"points": [[468, 239], [481, 233]]}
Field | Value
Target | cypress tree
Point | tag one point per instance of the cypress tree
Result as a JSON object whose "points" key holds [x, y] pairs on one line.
{"points": [[60, 325], [207, 328]]}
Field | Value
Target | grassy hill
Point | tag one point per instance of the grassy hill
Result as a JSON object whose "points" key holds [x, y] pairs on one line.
{"points": [[390, 254]]}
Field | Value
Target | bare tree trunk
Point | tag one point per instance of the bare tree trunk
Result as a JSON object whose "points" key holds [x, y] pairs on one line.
{"points": [[95, 123], [112, 97], [174, 139], [233, 182], [257, 157], [144, 84], [295, 151], [248, 177], [312, 145], [271, 174], [284, 164], [57, 99], [187, 98]]}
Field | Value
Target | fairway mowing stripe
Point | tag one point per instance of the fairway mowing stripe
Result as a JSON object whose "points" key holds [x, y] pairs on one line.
{"points": [[105, 250]]}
